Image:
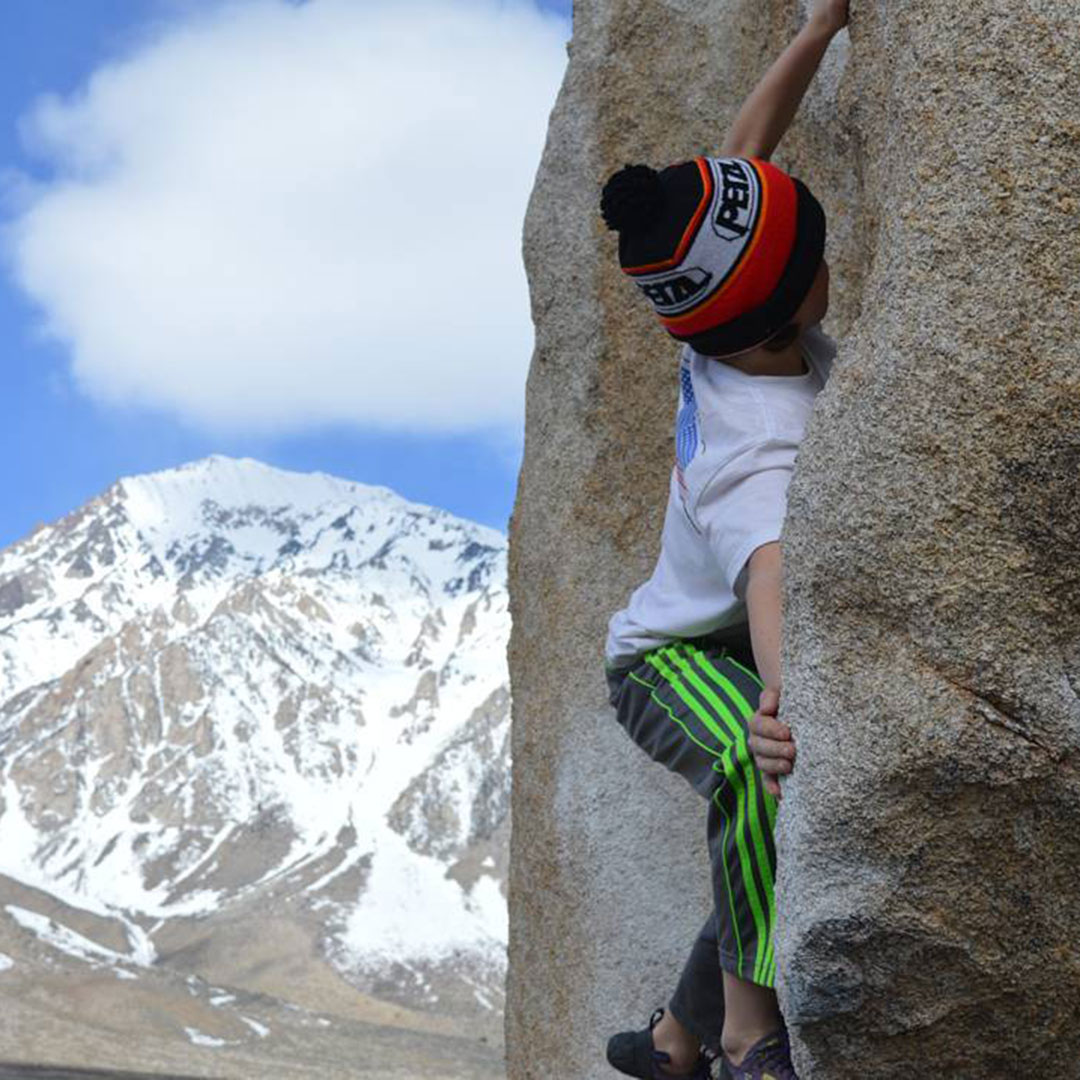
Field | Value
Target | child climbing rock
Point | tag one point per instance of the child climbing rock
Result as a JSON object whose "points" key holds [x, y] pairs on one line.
{"points": [[729, 251]]}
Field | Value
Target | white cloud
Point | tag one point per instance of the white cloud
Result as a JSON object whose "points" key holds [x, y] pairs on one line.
{"points": [[270, 216]]}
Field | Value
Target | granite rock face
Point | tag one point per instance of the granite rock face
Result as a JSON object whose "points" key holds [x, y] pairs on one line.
{"points": [[928, 841]]}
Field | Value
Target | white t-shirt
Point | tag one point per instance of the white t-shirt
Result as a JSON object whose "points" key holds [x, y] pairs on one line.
{"points": [[736, 440]]}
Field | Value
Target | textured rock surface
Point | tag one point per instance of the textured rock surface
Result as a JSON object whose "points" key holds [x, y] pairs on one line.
{"points": [[933, 601], [930, 858]]}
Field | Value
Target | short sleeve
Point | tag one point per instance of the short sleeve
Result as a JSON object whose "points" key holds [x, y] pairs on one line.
{"points": [[744, 504]]}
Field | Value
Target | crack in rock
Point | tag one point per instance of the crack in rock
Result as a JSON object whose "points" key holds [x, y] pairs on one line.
{"points": [[990, 709]]}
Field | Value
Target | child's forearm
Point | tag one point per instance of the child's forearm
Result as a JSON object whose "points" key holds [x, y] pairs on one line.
{"points": [[763, 608], [768, 111]]}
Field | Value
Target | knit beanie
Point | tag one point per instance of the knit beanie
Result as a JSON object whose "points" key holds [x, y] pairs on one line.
{"points": [[724, 248]]}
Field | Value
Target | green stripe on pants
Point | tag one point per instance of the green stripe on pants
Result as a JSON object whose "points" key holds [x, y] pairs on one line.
{"points": [[764, 817], [740, 774], [708, 697]]}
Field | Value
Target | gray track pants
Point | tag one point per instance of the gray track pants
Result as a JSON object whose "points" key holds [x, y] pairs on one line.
{"points": [[687, 705]]}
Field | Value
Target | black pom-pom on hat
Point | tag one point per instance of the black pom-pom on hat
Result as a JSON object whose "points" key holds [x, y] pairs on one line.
{"points": [[632, 199]]}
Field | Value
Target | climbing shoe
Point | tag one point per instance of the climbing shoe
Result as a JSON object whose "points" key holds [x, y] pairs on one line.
{"points": [[767, 1059], [633, 1053]]}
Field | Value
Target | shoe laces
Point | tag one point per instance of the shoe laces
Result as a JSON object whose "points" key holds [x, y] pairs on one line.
{"points": [[775, 1054], [661, 1058]]}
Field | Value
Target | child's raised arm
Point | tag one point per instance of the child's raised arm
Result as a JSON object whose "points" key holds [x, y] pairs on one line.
{"points": [[768, 111]]}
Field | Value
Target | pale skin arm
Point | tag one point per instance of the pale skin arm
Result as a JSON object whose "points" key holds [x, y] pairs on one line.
{"points": [[770, 740], [763, 577], [767, 113]]}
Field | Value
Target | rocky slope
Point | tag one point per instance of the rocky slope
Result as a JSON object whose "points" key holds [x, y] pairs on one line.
{"points": [[254, 759]]}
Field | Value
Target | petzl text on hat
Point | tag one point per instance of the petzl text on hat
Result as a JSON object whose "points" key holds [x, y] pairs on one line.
{"points": [[724, 248]]}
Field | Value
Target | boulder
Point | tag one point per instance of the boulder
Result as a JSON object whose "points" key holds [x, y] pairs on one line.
{"points": [[928, 840]]}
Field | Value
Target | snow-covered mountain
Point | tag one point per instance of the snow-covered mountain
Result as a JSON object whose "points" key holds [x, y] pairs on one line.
{"points": [[254, 733]]}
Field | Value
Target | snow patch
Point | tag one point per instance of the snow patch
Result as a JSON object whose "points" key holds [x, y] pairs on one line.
{"points": [[260, 1029], [393, 921], [62, 937], [201, 1039]]}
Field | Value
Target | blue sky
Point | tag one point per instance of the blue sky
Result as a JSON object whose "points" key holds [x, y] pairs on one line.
{"points": [[72, 421]]}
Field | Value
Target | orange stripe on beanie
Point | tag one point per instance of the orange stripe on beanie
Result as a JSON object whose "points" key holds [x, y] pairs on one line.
{"points": [[725, 249]]}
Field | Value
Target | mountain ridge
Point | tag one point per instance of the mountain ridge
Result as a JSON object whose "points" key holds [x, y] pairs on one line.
{"points": [[295, 707]]}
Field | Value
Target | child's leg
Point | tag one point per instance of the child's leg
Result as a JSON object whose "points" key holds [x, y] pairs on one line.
{"points": [[751, 1013], [722, 693], [698, 1013], [698, 1002], [676, 1040], [652, 715], [695, 1014], [689, 708]]}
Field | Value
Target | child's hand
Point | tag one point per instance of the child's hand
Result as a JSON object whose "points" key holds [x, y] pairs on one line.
{"points": [[830, 14], [771, 742]]}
